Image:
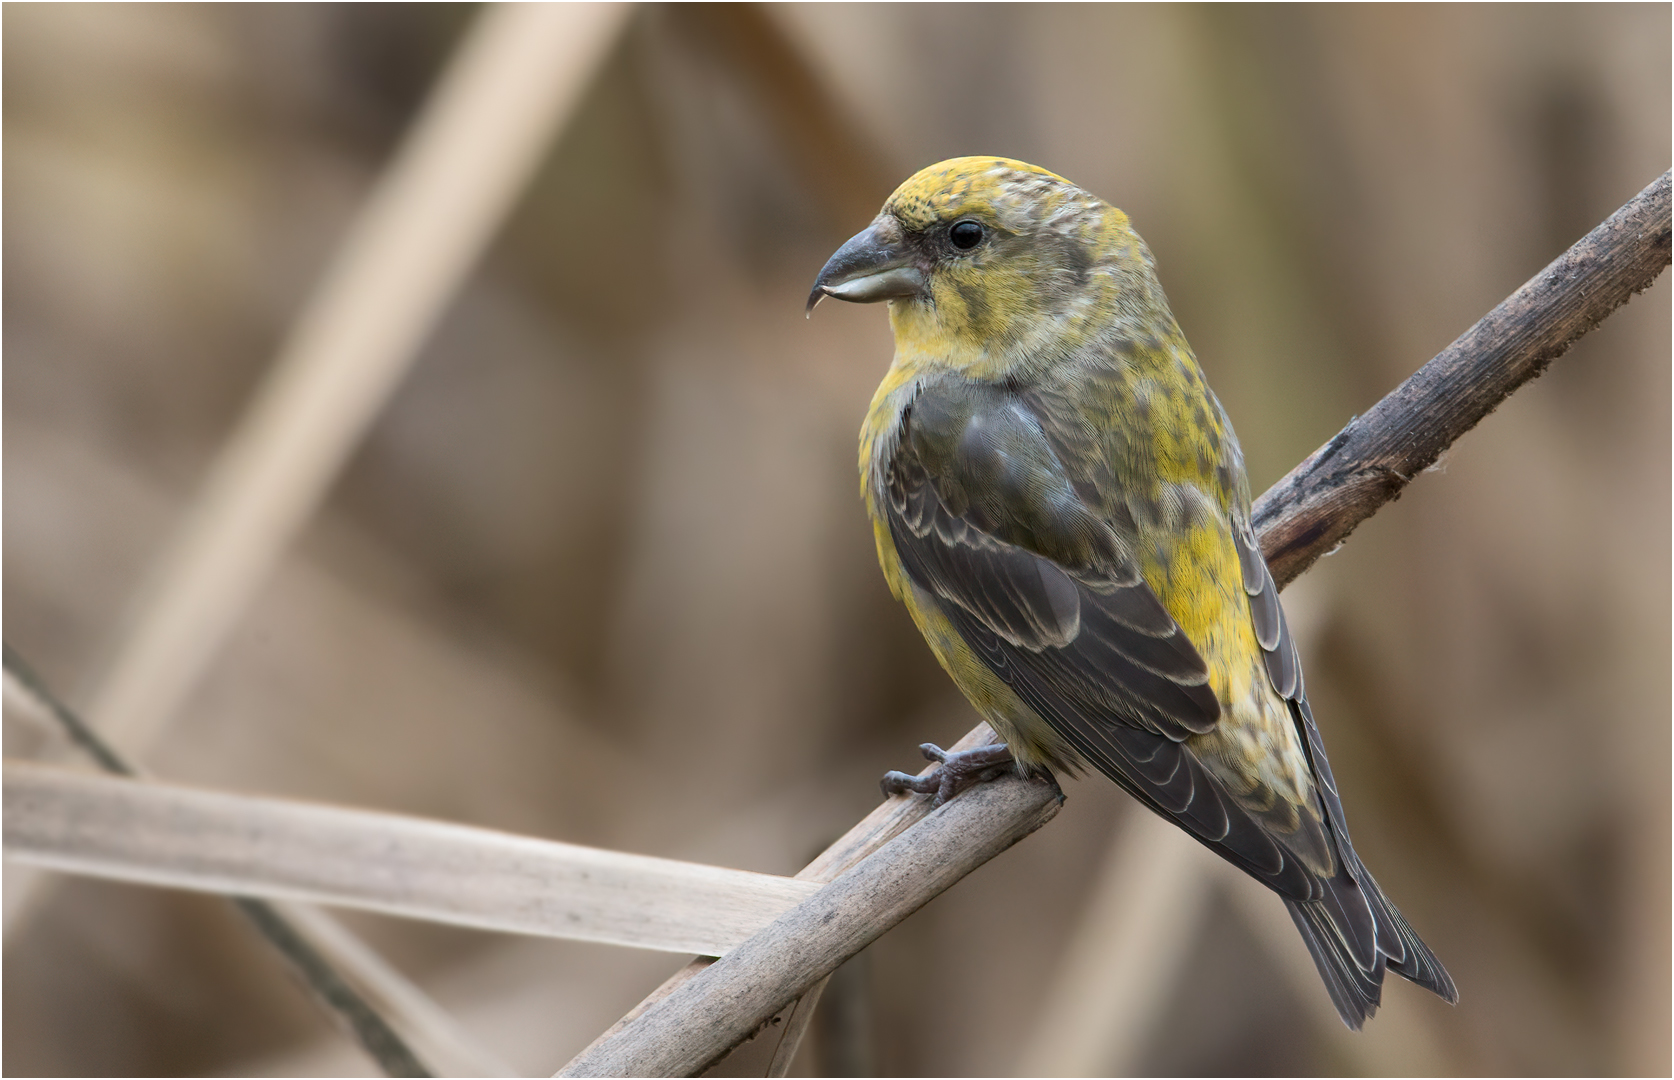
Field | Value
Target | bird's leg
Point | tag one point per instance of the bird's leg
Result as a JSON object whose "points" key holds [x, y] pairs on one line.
{"points": [[959, 770]]}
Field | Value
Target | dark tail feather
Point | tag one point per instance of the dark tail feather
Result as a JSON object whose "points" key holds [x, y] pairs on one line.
{"points": [[1355, 982], [1419, 965]]}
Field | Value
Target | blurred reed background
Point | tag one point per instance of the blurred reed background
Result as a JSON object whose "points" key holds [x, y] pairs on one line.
{"points": [[598, 571]]}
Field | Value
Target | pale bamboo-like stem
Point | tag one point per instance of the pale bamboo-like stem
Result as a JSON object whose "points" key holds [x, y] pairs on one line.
{"points": [[282, 849], [1369, 463]]}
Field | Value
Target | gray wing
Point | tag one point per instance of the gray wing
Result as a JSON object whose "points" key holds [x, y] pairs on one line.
{"points": [[984, 521]]}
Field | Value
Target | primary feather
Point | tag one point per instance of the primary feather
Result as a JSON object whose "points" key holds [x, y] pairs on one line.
{"points": [[1060, 502]]}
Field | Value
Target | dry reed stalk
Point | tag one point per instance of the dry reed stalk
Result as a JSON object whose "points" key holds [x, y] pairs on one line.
{"points": [[282, 849]]}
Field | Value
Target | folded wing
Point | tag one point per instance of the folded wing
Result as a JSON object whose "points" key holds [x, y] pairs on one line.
{"points": [[987, 526]]}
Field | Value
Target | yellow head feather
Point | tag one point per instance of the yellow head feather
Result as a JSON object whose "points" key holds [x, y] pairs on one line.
{"points": [[970, 185], [1056, 261]]}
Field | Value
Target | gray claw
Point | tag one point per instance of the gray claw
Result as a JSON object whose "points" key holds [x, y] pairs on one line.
{"points": [[958, 770]]}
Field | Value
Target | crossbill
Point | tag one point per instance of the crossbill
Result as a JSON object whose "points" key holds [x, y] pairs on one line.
{"points": [[1059, 500]]}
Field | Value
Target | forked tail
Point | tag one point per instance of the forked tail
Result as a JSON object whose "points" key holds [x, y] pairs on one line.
{"points": [[1354, 934]]}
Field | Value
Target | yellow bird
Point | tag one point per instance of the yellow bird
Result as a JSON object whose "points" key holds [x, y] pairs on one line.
{"points": [[1061, 504]]}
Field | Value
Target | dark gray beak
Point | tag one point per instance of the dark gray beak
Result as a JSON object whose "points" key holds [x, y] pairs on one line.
{"points": [[874, 265]]}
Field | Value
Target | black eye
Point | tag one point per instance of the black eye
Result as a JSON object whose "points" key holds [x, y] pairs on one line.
{"points": [[965, 235]]}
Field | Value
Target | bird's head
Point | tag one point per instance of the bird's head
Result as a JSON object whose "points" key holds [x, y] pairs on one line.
{"points": [[989, 262]]}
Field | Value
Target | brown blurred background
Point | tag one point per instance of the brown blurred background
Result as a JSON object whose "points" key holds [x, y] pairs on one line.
{"points": [[599, 572]]}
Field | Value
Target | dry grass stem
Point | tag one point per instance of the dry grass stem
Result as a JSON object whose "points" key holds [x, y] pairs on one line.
{"points": [[185, 838]]}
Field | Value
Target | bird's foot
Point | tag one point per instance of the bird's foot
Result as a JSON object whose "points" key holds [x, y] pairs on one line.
{"points": [[959, 770]]}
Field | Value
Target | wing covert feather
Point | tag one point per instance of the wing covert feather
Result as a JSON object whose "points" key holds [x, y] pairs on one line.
{"points": [[1284, 669]]}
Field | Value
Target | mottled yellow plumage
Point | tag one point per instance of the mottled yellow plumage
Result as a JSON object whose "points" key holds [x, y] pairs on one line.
{"points": [[1059, 501], [983, 322]]}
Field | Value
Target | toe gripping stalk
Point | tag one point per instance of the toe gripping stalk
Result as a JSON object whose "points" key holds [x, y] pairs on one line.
{"points": [[959, 770]]}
